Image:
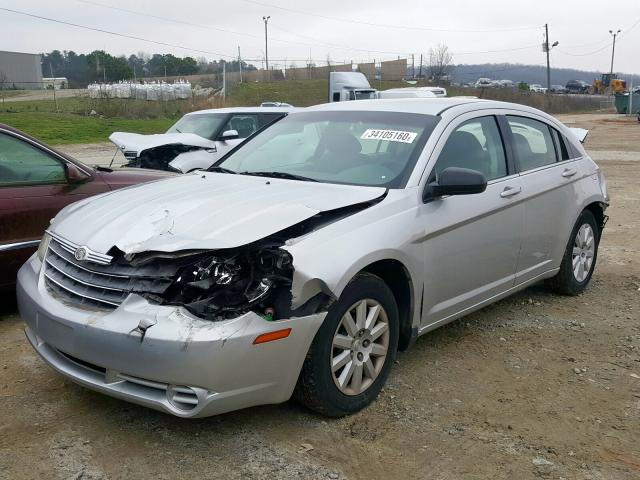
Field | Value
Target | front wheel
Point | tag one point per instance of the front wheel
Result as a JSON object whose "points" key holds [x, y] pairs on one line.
{"points": [[352, 353], [579, 259]]}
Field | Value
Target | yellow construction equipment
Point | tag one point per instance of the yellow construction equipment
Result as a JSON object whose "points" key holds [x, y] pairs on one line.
{"points": [[609, 83]]}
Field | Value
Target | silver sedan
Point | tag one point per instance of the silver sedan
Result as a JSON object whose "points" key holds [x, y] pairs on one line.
{"points": [[303, 260]]}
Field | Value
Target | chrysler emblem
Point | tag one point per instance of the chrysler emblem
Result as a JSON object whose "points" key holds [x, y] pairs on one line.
{"points": [[80, 253]]}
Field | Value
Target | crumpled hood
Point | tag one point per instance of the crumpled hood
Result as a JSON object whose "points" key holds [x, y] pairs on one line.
{"points": [[134, 142], [204, 210]]}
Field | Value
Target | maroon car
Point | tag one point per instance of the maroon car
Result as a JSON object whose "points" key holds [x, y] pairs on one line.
{"points": [[37, 181]]}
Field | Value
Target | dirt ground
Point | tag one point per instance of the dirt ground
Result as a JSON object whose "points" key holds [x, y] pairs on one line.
{"points": [[535, 386]]}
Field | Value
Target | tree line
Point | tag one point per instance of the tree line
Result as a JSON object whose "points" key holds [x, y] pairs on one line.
{"points": [[81, 69]]}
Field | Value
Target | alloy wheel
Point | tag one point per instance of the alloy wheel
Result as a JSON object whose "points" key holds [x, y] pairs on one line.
{"points": [[584, 248], [360, 346]]}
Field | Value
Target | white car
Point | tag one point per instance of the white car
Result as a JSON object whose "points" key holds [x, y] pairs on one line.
{"points": [[197, 140], [484, 83], [537, 88]]}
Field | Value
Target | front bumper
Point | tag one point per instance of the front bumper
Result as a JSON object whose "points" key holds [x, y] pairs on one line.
{"points": [[183, 365]]}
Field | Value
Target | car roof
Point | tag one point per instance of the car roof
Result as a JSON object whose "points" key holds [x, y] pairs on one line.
{"points": [[425, 106], [245, 110]]}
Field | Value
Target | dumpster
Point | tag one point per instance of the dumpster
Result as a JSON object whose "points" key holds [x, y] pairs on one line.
{"points": [[622, 103]]}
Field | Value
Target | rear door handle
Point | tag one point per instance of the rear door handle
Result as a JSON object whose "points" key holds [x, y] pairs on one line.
{"points": [[569, 172], [510, 191]]}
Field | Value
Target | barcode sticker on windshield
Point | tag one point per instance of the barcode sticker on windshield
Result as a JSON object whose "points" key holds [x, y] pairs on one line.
{"points": [[389, 135]]}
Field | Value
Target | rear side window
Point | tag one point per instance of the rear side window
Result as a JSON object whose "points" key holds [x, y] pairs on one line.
{"points": [[268, 118], [532, 142]]}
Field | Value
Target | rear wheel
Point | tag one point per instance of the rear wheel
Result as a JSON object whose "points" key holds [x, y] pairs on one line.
{"points": [[579, 259], [350, 357]]}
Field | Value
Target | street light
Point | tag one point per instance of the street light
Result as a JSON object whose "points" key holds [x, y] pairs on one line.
{"points": [[266, 44], [613, 51], [547, 48]]}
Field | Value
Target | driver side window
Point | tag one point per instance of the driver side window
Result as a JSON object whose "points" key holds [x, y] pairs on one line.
{"points": [[245, 125], [476, 145], [23, 164]]}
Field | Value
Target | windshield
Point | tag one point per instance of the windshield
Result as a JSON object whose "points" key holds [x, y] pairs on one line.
{"points": [[364, 94], [358, 148], [204, 124]]}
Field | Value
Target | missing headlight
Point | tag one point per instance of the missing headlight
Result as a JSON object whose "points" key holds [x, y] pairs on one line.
{"points": [[228, 283]]}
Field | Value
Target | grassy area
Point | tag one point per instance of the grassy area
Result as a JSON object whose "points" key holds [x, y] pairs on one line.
{"points": [[11, 93], [65, 128]]}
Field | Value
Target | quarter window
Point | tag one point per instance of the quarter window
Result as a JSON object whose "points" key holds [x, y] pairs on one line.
{"points": [[23, 164], [533, 142], [477, 145], [563, 153]]}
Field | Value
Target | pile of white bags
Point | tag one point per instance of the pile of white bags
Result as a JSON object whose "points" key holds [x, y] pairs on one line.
{"points": [[152, 91]]}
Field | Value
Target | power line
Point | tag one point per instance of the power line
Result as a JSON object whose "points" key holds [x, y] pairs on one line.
{"points": [[606, 46], [209, 27], [108, 32], [496, 51], [384, 25]]}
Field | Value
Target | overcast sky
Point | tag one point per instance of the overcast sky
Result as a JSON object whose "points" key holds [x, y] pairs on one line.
{"points": [[343, 30]]}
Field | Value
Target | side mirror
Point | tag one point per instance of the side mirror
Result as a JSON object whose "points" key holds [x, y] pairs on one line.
{"points": [[229, 135], [456, 181], [75, 175]]}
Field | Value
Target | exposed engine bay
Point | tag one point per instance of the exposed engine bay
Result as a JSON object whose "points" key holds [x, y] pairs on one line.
{"points": [[159, 158]]}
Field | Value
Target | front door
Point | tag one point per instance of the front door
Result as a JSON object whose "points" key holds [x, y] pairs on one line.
{"points": [[471, 242], [33, 189]]}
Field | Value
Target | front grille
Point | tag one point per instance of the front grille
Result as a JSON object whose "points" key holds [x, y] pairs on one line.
{"points": [[79, 283], [130, 154]]}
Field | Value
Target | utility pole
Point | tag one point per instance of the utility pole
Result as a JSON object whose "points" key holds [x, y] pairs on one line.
{"points": [[53, 79], [546, 45], [613, 51], [547, 48], [413, 66], [420, 74], [266, 45], [224, 82], [240, 63]]}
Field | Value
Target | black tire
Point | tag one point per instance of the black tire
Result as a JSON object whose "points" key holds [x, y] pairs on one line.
{"points": [[316, 388], [565, 281]]}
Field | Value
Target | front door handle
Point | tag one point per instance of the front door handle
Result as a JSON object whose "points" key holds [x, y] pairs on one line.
{"points": [[510, 191], [569, 172]]}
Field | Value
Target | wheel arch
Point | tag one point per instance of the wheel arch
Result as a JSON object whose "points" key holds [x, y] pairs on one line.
{"points": [[397, 277], [597, 209]]}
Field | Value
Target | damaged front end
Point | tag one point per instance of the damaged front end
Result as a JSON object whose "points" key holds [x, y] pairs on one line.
{"points": [[224, 284], [212, 285], [160, 158]]}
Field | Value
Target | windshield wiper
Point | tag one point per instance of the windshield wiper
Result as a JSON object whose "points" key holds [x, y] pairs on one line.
{"points": [[218, 169], [288, 176]]}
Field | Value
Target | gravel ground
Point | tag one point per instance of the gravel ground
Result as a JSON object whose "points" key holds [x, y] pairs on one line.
{"points": [[535, 386]]}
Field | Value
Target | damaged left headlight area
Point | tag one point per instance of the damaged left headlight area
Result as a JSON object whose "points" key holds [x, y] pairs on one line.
{"points": [[224, 284], [213, 285]]}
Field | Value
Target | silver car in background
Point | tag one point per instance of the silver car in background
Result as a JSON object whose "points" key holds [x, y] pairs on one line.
{"points": [[303, 260]]}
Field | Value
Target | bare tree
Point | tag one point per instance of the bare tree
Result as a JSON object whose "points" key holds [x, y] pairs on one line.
{"points": [[3, 81], [440, 63]]}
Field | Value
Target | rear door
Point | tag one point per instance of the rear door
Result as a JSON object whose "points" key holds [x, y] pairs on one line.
{"points": [[548, 192], [472, 241], [33, 188]]}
